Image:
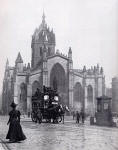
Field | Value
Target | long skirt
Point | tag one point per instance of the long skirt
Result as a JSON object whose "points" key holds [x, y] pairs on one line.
{"points": [[15, 132]]}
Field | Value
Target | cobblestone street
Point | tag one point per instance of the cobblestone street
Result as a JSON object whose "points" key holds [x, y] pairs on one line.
{"points": [[68, 136]]}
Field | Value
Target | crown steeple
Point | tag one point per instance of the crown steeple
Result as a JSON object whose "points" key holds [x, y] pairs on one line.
{"points": [[43, 18], [42, 35]]}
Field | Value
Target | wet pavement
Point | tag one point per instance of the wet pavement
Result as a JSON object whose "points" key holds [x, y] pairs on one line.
{"points": [[68, 136]]}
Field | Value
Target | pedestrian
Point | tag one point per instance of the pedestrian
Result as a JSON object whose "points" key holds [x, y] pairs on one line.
{"points": [[15, 132], [28, 114], [73, 113], [82, 114], [77, 117]]}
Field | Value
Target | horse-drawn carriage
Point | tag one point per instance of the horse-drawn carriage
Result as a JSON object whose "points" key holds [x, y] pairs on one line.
{"points": [[46, 106]]}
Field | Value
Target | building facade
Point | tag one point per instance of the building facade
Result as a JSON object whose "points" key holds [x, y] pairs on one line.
{"points": [[108, 92], [115, 94], [78, 88]]}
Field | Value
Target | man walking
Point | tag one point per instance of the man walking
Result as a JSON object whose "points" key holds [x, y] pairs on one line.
{"points": [[73, 113], [77, 117], [82, 116]]}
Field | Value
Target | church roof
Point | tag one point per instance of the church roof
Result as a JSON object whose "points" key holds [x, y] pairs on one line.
{"points": [[58, 55], [19, 58], [43, 33]]}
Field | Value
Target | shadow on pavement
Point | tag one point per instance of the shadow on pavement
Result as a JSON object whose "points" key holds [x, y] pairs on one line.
{"points": [[9, 142]]}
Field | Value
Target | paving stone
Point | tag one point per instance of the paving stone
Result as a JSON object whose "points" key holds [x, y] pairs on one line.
{"points": [[68, 136]]}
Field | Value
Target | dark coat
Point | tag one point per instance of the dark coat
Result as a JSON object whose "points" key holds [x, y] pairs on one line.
{"points": [[78, 116], [15, 132]]}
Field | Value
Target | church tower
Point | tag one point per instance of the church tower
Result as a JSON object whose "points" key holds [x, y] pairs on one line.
{"points": [[42, 36]]}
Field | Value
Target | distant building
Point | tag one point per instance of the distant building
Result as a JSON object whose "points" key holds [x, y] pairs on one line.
{"points": [[115, 94], [78, 88], [109, 92], [0, 102]]}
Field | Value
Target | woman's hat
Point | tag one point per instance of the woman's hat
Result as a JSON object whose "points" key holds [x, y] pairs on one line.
{"points": [[13, 105]]}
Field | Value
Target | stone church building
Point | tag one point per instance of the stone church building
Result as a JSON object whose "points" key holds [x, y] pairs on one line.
{"points": [[78, 88]]}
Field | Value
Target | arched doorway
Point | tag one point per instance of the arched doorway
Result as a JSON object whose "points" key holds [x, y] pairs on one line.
{"points": [[58, 81], [78, 96], [23, 98], [90, 99], [35, 85]]}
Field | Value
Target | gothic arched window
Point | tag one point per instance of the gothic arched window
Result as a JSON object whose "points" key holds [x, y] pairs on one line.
{"points": [[78, 96]]}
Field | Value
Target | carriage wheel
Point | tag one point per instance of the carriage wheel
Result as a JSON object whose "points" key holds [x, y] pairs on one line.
{"points": [[48, 120], [40, 120], [55, 120]]}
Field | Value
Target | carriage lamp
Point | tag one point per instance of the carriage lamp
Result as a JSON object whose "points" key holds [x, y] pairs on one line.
{"points": [[56, 98], [46, 97]]}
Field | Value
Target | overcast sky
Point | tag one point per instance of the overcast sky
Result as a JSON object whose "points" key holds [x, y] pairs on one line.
{"points": [[90, 27]]}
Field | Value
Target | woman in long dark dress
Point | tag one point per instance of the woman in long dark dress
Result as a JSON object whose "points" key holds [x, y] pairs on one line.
{"points": [[15, 132]]}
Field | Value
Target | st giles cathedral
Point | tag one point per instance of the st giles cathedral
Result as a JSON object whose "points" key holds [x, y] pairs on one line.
{"points": [[77, 88]]}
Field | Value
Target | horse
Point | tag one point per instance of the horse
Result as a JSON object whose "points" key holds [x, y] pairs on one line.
{"points": [[62, 111]]}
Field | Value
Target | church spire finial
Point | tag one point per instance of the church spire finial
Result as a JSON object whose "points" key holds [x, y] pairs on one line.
{"points": [[43, 17], [7, 63]]}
